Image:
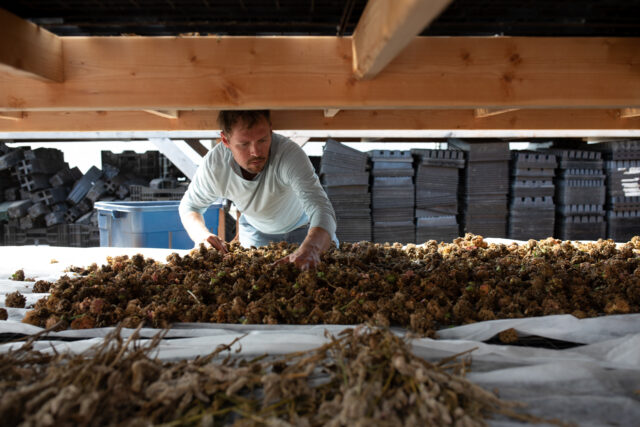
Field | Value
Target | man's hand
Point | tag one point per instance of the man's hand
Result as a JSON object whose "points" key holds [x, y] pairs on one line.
{"points": [[304, 259], [213, 241], [308, 254]]}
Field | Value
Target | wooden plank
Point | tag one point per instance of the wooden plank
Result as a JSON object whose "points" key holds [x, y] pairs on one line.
{"points": [[29, 50], [488, 112], [385, 28], [133, 73], [456, 119], [629, 112], [167, 114]]}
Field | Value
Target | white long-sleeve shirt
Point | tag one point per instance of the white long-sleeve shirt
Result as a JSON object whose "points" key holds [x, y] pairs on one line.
{"points": [[274, 200]]}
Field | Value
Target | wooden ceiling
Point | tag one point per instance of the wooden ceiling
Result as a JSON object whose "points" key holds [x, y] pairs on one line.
{"points": [[381, 75]]}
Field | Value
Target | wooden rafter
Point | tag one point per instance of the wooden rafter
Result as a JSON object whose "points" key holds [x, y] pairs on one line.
{"points": [[29, 50], [488, 112], [330, 112], [111, 73], [167, 114], [11, 116], [385, 28], [430, 119], [629, 112]]}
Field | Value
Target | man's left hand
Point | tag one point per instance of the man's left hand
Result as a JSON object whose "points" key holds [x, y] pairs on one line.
{"points": [[308, 254], [302, 258]]}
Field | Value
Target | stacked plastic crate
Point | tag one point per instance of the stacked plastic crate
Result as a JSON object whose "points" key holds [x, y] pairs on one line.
{"points": [[345, 177], [579, 195], [9, 187], [37, 196], [436, 183], [622, 204], [147, 176], [531, 207], [38, 206], [392, 196], [485, 187]]}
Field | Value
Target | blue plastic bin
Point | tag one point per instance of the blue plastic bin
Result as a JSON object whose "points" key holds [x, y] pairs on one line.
{"points": [[147, 224]]}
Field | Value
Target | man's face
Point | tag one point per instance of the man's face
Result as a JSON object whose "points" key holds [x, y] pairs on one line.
{"points": [[249, 146]]}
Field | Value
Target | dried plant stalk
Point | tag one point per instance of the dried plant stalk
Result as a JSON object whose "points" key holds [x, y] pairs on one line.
{"points": [[366, 376]]}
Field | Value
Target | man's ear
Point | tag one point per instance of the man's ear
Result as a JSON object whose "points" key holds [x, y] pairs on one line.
{"points": [[224, 139]]}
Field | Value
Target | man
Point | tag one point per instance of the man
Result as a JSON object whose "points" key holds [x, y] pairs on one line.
{"points": [[270, 180]]}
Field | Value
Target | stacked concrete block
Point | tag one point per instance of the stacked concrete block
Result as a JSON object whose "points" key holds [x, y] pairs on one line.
{"points": [[484, 187], [436, 200], [392, 196], [344, 174], [531, 207]]}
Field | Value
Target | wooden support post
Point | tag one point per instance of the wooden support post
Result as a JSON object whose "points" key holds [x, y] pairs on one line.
{"points": [[222, 226], [197, 146]]}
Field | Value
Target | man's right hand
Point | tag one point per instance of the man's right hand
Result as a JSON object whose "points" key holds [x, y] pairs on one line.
{"points": [[213, 241]]}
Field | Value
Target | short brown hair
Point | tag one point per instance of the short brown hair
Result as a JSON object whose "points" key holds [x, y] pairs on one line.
{"points": [[227, 119]]}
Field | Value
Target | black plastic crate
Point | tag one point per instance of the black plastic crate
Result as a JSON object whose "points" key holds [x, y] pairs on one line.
{"points": [[577, 159], [11, 158], [83, 236], [482, 149], [19, 208], [50, 196], [581, 228], [83, 185], [439, 158], [142, 193], [622, 226], [65, 177]]}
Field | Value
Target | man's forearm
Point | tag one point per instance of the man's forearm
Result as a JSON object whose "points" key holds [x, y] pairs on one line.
{"points": [[194, 224], [318, 240]]}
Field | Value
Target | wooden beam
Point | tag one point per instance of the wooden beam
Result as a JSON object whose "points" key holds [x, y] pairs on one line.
{"points": [[29, 50], [456, 119], [167, 114], [135, 73], [385, 28], [488, 112], [629, 112]]}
